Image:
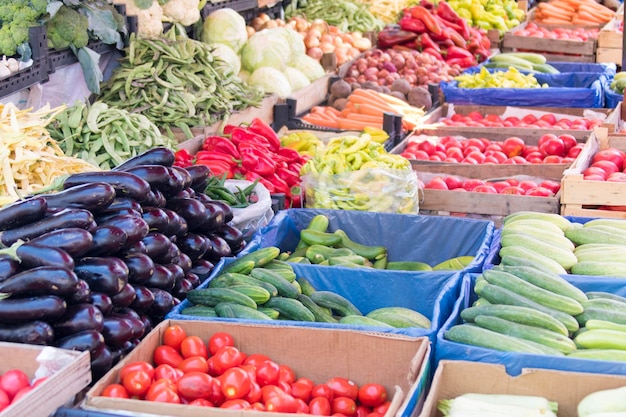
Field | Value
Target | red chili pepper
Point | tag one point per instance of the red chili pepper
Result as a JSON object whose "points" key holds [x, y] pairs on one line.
{"points": [[426, 41], [446, 12], [257, 161], [268, 184], [457, 38], [280, 185], [442, 35], [421, 13], [218, 156], [218, 168], [290, 177], [462, 62], [431, 51], [259, 127], [407, 23], [290, 155], [220, 143], [394, 36], [182, 158], [240, 135], [228, 129], [456, 52], [427, 4]]}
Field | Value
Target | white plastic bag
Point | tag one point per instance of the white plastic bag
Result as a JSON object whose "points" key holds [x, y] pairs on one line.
{"points": [[255, 216]]}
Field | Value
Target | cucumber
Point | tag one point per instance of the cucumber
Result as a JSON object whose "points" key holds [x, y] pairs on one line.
{"points": [[595, 313], [551, 339], [408, 266], [481, 302], [537, 294], [544, 225], [284, 287], [616, 254], [564, 257], [258, 294], [617, 223], [321, 314], [313, 237], [229, 279], [400, 317], [471, 334], [596, 234], [278, 264], [558, 220], [595, 247], [258, 258], [337, 303], [546, 69], [288, 274], [520, 255], [607, 303], [454, 264], [603, 324], [350, 260], [368, 252], [199, 311], [516, 314], [601, 294], [613, 355], [601, 339], [603, 269], [213, 296], [320, 223], [319, 253], [305, 285], [363, 321], [558, 240], [270, 312], [290, 309], [239, 311], [547, 281], [498, 295]]}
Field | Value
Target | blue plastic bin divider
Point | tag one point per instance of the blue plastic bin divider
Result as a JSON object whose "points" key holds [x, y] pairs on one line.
{"points": [[611, 98], [431, 293], [430, 239], [513, 361]]}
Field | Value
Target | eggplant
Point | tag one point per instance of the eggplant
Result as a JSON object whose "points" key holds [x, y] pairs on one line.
{"points": [[193, 245], [32, 333], [158, 176], [43, 280], [178, 225], [154, 156], [162, 278], [124, 203], [133, 318], [232, 236], [183, 174], [241, 247], [184, 261], [103, 274], [163, 303], [202, 268], [107, 240], [77, 318], [157, 219], [117, 330], [147, 322], [94, 196], [199, 177], [102, 301], [8, 267], [172, 255], [181, 289], [184, 193], [140, 267], [135, 227], [101, 362], [143, 299], [228, 210], [87, 340], [137, 247], [22, 310], [22, 212], [219, 248], [215, 219], [33, 256], [157, 245], [125, 184], [81, 295], [193, 279], [62, 219], [192, 210], [160, 199], [103, 217], [176, 270], [125, 297], [76, 242]]}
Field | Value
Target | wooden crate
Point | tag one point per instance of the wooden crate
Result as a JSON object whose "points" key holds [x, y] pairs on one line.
{"points": [[575, 50], [586, 198], [609, 55]]}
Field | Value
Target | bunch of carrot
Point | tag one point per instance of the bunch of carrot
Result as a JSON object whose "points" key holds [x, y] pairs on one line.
{"points": [[364, 108], [573, 12]]}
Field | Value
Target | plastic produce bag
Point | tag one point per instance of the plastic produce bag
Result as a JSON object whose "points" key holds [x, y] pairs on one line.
{"points": [[371, 189], [611, 98], [255, 216]]}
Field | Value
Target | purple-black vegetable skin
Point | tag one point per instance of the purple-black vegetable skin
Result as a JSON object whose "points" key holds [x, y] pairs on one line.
{"points": [[22, 212], [106, 240], [95, 196], [140, 267], [73, 240], [103, 274], [125, 297], [64, 218], [43, 280], [77, 318]]}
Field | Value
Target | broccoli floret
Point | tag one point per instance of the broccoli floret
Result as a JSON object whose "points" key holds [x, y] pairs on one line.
{"points": [[15, 19], [67, 27]]}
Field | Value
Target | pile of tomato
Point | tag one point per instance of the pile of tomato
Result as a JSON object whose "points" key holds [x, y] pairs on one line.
{"points": [[14, 384], [186, 370]]}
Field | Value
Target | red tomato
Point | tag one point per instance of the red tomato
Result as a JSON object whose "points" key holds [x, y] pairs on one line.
{"points": [[306, 381], [608, 166], [255, 394], [219, 340], [267, 373], [375, 414], [258, 406], [471, 183], [286, 374], [281, 402], [173, 336], [194, 363], [382, 409], [552, 185], [362, 410], [256, 359], [344, 405], [137, 366], [166, 355], [569, 141], [211, 364], [550, 144], [12, 381], [202, 402], [216, 396], [163, 391], [372, 395], [539, 192], [5, 401], [195, 385], [303, 407], [251, 370], [301, 390], [319, 406], [236, 404], [165, 371], [436, 183], [115, 391], [284, 386], [269, 391], [193, 346], [227, 357], [21, 393], [235, 383], [137, 382], [322, 390]]}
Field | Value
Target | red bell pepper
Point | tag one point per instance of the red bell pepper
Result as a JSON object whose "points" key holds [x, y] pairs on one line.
{"points": [[394, 36], [443, 35], [259, 127], [423, 14], [425, 41], [433, 52], [457, 39], [466, 62], [427, 4], [446, 12], [218, 156], [290, 155], [457, 52], [257, 161], [241, 135], [218, 168], [228, 129], [408, 24], [290, 177], [267, 184], [182, 158], [220, 144], [280, 185]]}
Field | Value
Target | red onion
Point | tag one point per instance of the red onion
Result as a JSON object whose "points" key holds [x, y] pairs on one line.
{"points": [[371, 71], [390, 67]]}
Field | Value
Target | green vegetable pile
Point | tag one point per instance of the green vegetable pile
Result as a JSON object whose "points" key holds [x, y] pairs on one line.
{"points": [[15, 18], [104, 136], [347, 15], [176, 81]]}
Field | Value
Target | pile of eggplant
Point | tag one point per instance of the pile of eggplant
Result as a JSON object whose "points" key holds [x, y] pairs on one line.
{"points": [[95, 265]]}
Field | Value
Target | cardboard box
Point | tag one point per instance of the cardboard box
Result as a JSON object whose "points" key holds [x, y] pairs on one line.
{"points": [[315, 353], [60, 387], [454, 378]]}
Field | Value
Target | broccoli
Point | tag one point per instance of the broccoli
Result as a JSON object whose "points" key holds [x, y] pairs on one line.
{"points": [[15, 19], [67, 27]]}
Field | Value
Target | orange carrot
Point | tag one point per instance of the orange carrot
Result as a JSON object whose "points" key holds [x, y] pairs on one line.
{"points": [[378, 120], [348, 124], [331, 110], [318, 120]]}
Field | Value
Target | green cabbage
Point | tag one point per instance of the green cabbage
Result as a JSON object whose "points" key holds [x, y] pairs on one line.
{"points": [[270, 80], [265, 49], [309, 67], [296, 43], [225, 26], [230, 60], [297, 79], [244, 76]]}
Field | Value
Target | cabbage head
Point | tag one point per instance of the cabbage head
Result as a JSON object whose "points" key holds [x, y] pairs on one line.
{"points": [[265, 49], [270, 80], [309, 67], [225, 26], [297, 79], [230, 62]]}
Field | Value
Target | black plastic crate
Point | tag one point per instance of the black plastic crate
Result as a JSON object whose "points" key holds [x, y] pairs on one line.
{"points": [[237, 5], [37, 72], [274, 12], [63, 57]]}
